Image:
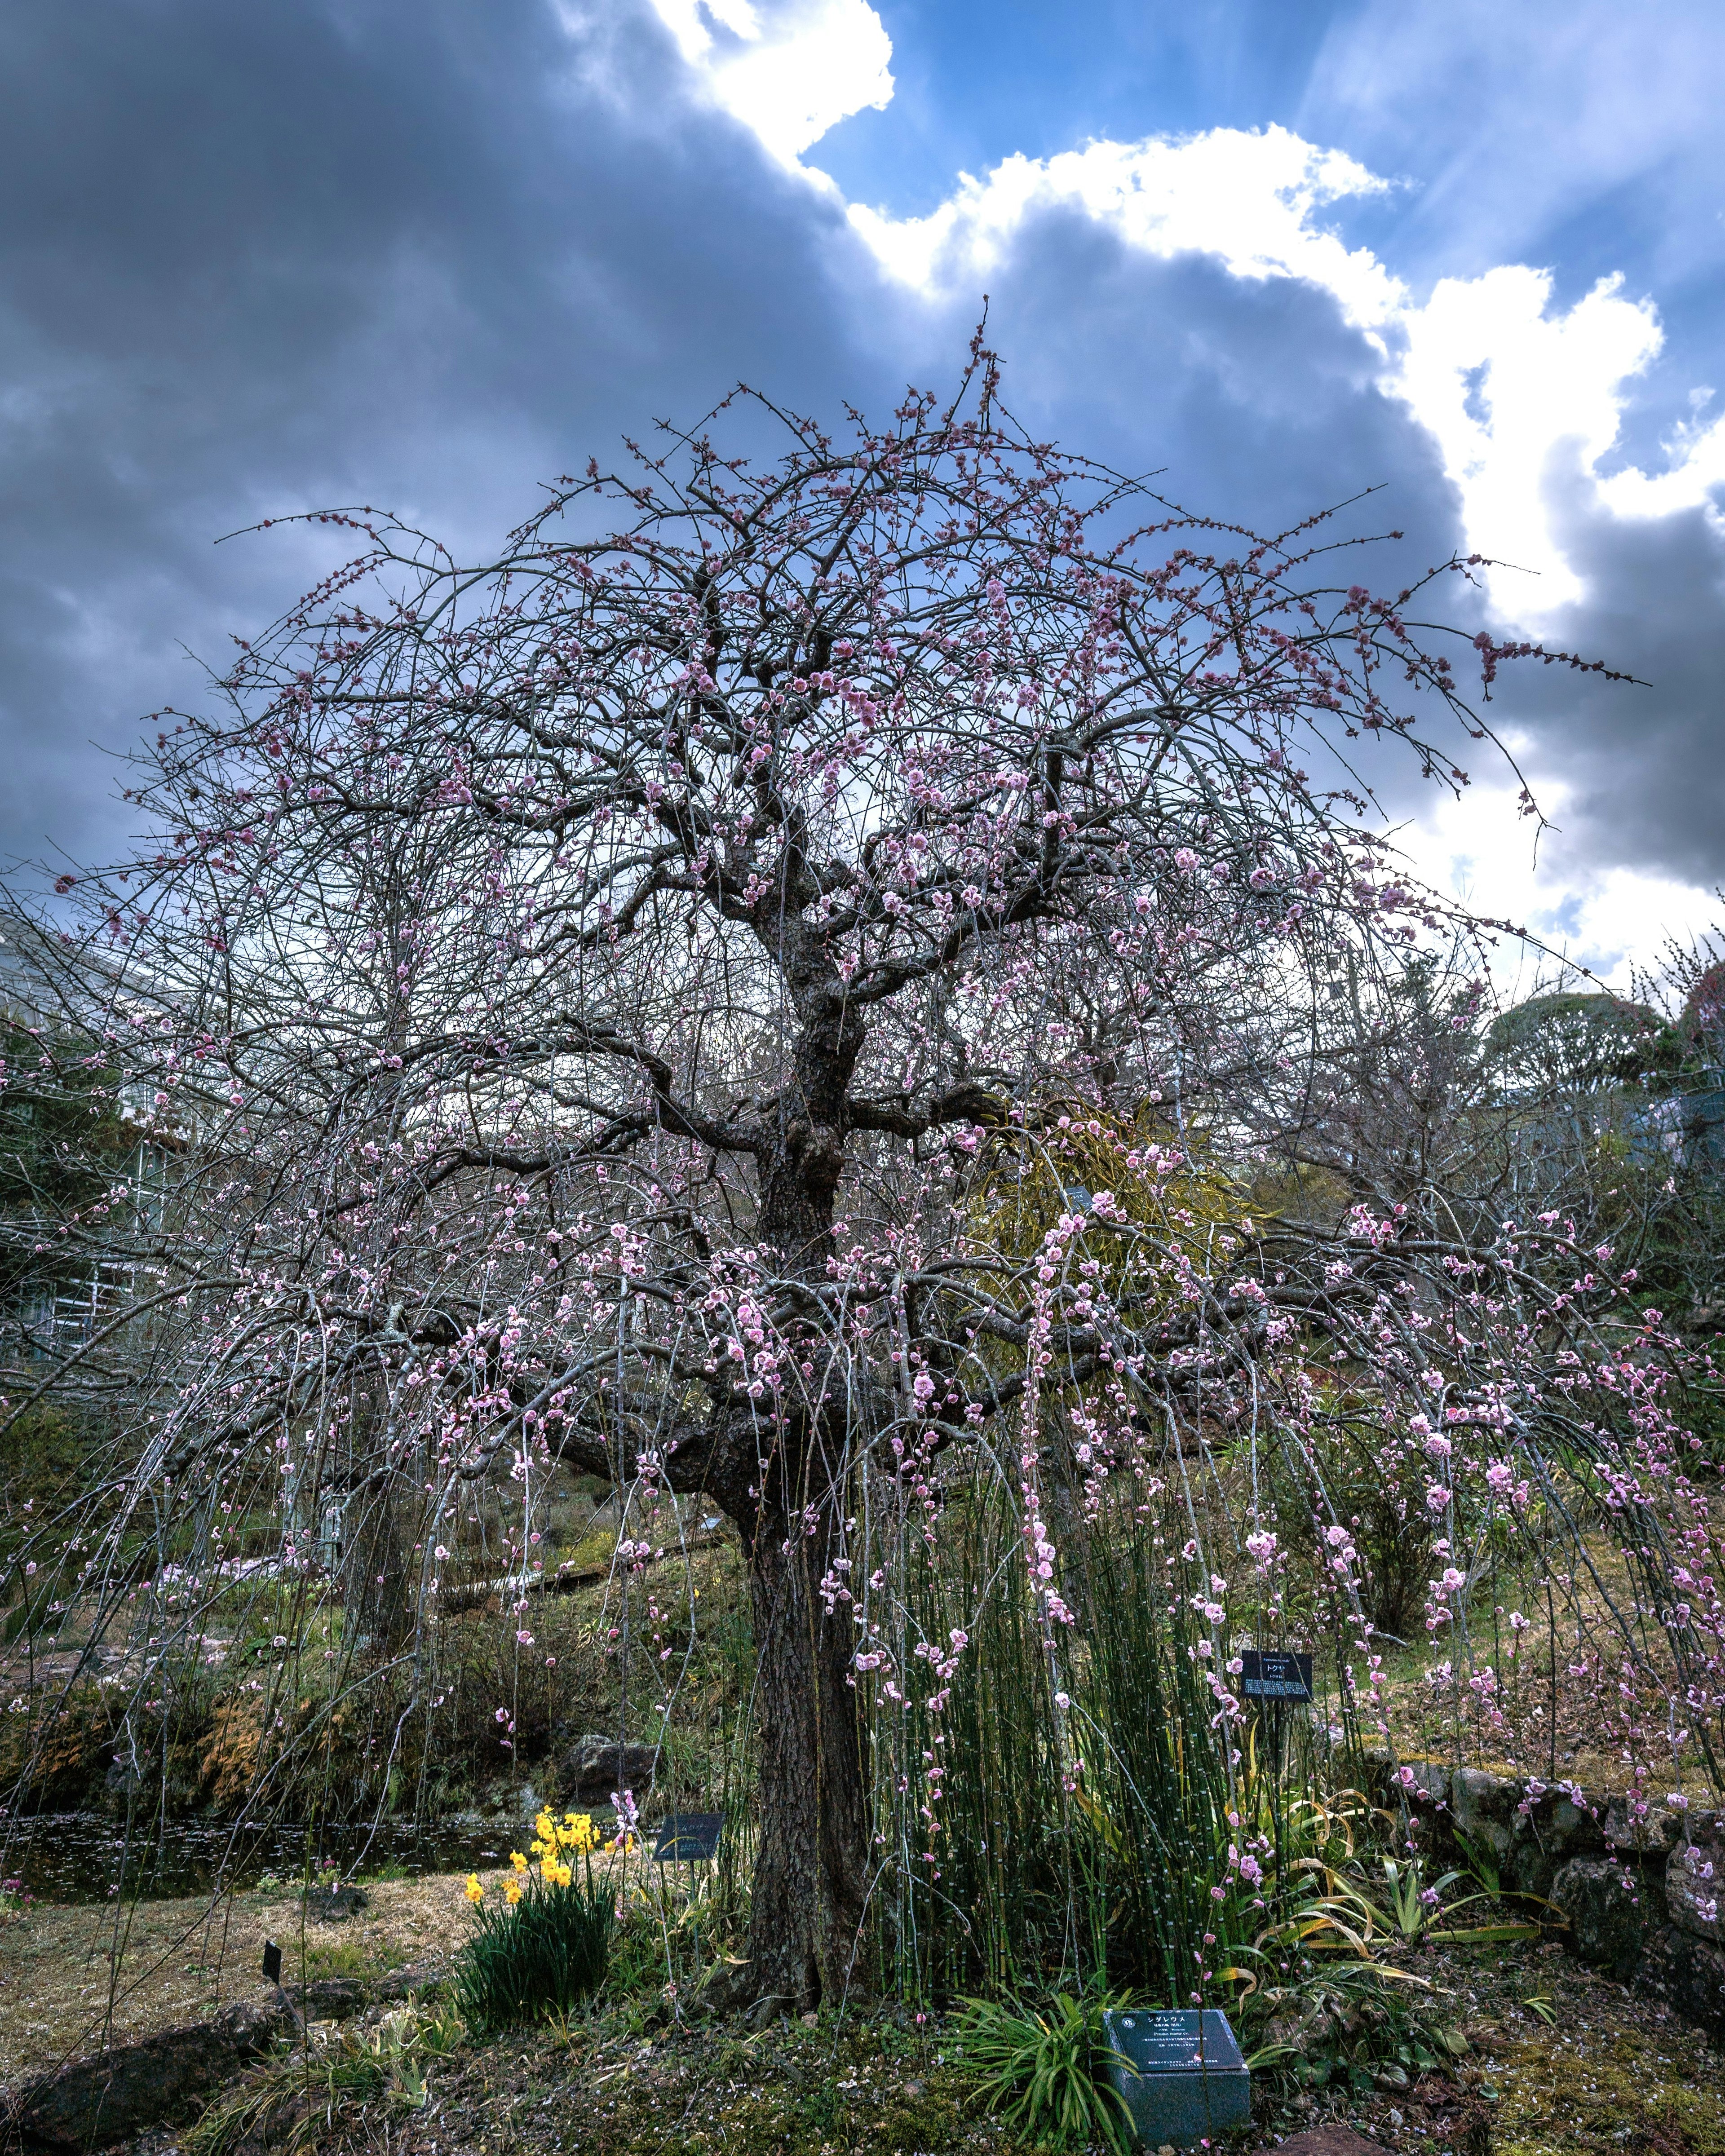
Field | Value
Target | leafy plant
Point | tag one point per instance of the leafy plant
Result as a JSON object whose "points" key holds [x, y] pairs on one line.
{"points": [[1481, 1864], [1344, 2018], [1410, 1901], [1414, 1906], [290, 2103], [1315, 2002], [1046, 2073]]}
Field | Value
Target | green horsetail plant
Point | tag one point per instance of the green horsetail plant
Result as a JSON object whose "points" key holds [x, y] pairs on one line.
{"points": [[1077, 1813]]}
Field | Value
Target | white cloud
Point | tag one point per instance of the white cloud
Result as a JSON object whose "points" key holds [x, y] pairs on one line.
{"points": [[1696, 467], [1506, 385], [1479, 849], [788, 70], [1520, 396], [1248, 197], [1510, 389]]}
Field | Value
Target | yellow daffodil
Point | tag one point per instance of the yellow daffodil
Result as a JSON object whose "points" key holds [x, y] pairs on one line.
{"points": [[517, 1859], [474, 1890], [511, 1892]]}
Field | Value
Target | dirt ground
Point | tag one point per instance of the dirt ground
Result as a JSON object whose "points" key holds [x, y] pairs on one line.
{"points": [[178, 1961]]}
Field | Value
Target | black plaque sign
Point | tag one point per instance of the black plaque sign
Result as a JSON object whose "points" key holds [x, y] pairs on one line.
{"points": [[1267, 1674], [1183, 2079], [689, 1837], [272, 1962]]}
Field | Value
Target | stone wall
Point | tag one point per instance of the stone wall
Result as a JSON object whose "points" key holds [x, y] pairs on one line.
{"points": [[1641, 1884]]}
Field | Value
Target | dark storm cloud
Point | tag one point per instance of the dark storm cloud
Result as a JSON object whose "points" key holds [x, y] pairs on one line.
{"points": [[261, 258], [294, 253], [1645, 765]]}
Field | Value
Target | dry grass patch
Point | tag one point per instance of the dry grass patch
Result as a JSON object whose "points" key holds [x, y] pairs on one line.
{"points": [[69, 1975]]}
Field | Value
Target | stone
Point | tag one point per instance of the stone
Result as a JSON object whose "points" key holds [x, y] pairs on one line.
{"points": [[1688, 1972], [326, 1999], [726, 1988], [93, 2102], [1612, 1915], [1430, 1782], [418, 1977], [1184, 2080], [1649, 1829], [1546, 1831], [1325, 2140], [335, 1905], [122, 1786], [1532, 1865], [594, 1768], [1481, 1806], [1695, 1889]]}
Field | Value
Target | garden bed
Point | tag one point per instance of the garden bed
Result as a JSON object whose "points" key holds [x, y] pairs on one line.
{"points": [[1559, 2059]]}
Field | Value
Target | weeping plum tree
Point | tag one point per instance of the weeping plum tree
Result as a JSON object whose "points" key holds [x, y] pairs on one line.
{"points": [[585, 982]]}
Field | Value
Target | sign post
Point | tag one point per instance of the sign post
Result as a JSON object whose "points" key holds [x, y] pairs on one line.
{"points": [[1184, 2080], [1272, 1674], [1274, 1677], [690, 1838]]}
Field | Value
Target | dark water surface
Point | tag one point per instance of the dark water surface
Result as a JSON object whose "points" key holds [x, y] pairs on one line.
{"points": [[78, 1856]]}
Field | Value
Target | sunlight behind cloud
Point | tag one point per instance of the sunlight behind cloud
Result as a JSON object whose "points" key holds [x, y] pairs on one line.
{"points": [[1480, 849], [1522, 397], [1515, 394], [1506, 386], [788, 70]]}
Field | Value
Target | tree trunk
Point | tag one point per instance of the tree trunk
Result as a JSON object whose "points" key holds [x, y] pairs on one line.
{"points": [[376, 1570], [805, 1925]]}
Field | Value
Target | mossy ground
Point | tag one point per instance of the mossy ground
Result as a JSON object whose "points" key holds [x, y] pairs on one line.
{"points": [[1606, 2074], [803, 2088], [1561, 2060]]}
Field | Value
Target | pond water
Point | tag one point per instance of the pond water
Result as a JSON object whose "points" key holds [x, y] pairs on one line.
{"points": [[78, 1856]]}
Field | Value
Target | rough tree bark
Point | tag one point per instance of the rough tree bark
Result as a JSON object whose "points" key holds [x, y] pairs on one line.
{"points": [[806, 1916], [809, 1885]]}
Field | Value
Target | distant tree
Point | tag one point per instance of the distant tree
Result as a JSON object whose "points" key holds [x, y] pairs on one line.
{"points": [[62, 1143]]}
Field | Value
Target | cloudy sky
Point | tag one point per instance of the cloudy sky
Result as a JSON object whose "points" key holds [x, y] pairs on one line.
{"points": [[427, 253]]}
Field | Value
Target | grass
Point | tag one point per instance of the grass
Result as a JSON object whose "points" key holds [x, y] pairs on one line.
{"points": [[292, 2102]]}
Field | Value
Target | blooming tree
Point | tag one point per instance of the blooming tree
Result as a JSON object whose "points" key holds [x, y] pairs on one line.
{"points": [[591, 988]]}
